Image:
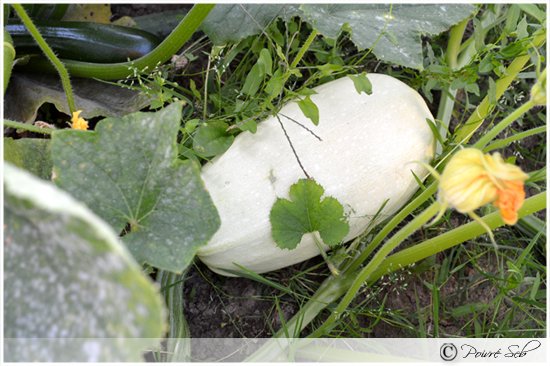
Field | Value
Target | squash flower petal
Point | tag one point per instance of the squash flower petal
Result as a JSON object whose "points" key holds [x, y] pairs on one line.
{"points": [[79, 123], [472, 179]]}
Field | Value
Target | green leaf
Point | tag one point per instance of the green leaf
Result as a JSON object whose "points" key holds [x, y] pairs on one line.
{"points": [[328, 69], [229, 23], [33, 155], [522, 29], [307, 213], [212, 139], [265, 62], [127, 171], [405, 26], [362, 83], [534, 11], [512, 17], [309, 109], [69, 281], [275, 84], [253, 80], [492, 93]]}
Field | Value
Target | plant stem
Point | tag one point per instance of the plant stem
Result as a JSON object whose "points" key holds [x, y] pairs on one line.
{"points": [[396, 220], [28, 127], [446, 104], [516, 137], [390, 245], [303, 49], [61, 70], [485, 139], [161, 54], [451, 238]]}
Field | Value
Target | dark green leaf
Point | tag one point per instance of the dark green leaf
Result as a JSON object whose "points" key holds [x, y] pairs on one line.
{"points": [[127, 171], [309, 109], [307, 213], [405, 26], [229, 23], [70, 286], [362, 83], [212, 139], [33, 155]]}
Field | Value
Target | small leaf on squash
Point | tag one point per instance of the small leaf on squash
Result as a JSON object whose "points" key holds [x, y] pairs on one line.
{"points": [[361, 83], [212, 139], [309, 109], [307, 213]]}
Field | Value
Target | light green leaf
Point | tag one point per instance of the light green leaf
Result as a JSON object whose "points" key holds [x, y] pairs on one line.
{"points": [[127, 172], [275, 84], [307, 213], [362, 83], [328, 69], [253, 80], [212, 139], [265, 62], [33, 155], [534, 11], [309, 109], [68, 282], [492, 93], [406, 24]]}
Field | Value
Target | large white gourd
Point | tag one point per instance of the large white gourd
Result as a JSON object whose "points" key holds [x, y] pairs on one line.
{"points": [[368, 148]]}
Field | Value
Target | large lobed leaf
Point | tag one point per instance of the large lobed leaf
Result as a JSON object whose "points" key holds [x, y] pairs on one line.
{"points": [[127, 172], [68, 282], [307, 213], [400, 42]]}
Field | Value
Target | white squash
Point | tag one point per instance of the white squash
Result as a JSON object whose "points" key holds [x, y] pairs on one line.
{"points": [[365, 158]]}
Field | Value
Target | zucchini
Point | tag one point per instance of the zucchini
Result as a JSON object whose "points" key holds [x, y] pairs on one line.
{"points": [[85, 41]]}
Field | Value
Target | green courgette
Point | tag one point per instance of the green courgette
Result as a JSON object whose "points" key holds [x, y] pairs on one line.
{"points": [[85, 41]]}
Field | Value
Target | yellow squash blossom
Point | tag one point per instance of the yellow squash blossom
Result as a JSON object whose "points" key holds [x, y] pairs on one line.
{"points": [[79, 123], [472, 179]]}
